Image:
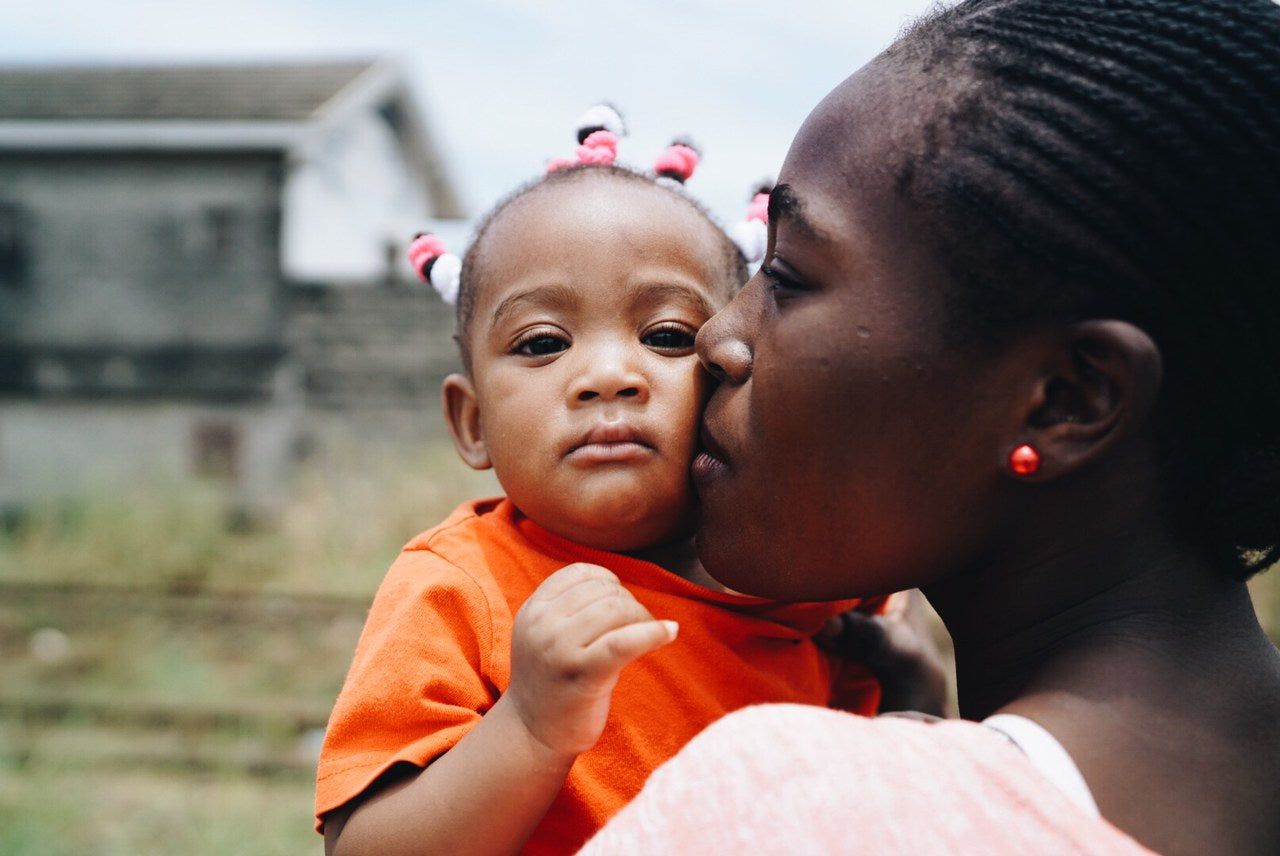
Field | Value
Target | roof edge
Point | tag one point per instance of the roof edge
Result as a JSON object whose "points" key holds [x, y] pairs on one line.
{"points": [[150, 134]]}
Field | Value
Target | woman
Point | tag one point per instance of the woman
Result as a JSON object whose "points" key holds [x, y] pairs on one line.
{"points": [[1014, 342]]}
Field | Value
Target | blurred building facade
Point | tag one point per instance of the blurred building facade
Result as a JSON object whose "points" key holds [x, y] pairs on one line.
{"points": [[200, 265]]}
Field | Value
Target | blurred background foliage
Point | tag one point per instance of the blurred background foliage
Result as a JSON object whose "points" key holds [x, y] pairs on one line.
{"points": [[167, 661]]}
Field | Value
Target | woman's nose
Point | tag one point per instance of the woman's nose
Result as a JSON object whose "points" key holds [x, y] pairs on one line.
{"points": [[722, 343]]}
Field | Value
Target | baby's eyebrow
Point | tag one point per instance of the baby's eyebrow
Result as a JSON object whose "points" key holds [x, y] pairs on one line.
{"points": [[654, 293], [784, 204], [553, 296]]}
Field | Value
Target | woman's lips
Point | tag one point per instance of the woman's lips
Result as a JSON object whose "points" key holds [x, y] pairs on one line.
{"points": [[710, 459]]}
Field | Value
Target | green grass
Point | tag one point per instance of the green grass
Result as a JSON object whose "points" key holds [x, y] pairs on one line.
{"points": [[69, 813]]}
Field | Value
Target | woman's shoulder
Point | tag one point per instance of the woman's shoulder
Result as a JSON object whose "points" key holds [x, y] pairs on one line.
{"points": [[803, 743], [771, 778]]}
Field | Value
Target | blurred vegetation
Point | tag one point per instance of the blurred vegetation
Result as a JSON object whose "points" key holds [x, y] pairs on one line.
{"points": [[335, 535], [1266, 597], [167, 660]]}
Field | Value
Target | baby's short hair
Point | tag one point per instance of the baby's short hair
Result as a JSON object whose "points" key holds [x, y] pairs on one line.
{"points": [[732, 263]]}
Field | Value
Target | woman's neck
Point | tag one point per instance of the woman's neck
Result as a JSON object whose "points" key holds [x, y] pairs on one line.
{"points": [[1160, 674], [680, 558], [1075, 591], [1118, 636]]}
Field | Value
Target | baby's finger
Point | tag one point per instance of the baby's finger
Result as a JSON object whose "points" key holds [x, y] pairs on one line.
{"points": [[565, 593], [572, 577], [602, 611]]}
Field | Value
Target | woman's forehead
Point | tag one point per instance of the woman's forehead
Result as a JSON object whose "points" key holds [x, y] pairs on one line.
{"points": [[870, 120], [850, 155]]}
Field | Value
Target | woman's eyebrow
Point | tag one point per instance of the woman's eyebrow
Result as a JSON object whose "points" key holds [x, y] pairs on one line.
{"points": [[785, 205]]}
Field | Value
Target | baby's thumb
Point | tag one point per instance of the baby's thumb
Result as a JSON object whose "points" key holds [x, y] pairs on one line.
{"points": [[626, 643]]}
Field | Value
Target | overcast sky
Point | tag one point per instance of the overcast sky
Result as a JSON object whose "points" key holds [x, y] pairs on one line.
{"points": [[502, 81]]}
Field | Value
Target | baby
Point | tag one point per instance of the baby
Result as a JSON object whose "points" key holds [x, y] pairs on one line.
{"points": [[487, 709]]}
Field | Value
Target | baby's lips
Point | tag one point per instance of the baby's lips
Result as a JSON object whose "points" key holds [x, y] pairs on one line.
{"points": [[612, 432]]}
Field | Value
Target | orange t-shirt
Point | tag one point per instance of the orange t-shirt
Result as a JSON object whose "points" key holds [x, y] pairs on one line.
{"points": [[435, 655]]}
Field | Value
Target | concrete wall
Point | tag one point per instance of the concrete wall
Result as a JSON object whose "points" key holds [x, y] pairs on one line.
{"points": [[361, 367], [371, 359], [152, 335], [373, 346], [144, 251], [52, 450]]}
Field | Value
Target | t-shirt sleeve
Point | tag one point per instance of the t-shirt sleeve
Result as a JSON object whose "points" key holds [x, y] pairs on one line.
{"points": [[422, 676]]}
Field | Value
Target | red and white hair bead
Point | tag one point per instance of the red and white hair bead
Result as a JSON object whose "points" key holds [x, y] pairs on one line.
{"points": [[598, 131], [601, 117], [677, 161], [434, 264], [600, 147], [751, 234]]}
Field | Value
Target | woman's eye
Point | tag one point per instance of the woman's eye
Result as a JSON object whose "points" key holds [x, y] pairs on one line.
{"points": [[541, 345], [670, 339], [779, 281]]}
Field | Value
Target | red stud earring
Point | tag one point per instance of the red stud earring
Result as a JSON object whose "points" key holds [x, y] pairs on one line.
{"points": [[1024, 460]]}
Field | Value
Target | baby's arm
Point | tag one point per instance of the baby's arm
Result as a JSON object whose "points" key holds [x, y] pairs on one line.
{"points": [[571, 639]]}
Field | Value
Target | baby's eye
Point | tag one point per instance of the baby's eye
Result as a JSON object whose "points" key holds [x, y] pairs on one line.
{"points": [[541, 344], [671, 338]]}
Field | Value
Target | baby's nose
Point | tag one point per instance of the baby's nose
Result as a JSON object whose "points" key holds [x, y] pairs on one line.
{"points": [[609, 376]]}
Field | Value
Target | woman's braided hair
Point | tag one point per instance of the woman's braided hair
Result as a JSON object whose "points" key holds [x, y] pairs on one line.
{"points": [[1121, 158]]}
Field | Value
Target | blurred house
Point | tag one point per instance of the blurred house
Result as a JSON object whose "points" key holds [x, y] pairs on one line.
{"points": [[198, 264]]}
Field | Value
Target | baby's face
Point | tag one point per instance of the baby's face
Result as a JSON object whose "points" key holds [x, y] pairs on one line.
{"points": [[588, 389]]}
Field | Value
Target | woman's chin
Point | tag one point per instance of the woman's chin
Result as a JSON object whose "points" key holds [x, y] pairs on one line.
{"points": [[730, 564]]}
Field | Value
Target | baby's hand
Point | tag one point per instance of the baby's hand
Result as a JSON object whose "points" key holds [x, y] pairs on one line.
{"points": [[571, 639], [900, 649]]}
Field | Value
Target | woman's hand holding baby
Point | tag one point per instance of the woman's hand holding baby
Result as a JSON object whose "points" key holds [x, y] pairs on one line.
{"points": [[571, 639]]}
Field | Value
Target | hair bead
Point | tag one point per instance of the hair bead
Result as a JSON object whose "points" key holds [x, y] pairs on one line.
{"points": [[751, 234], [600, 117], [435, 265], [677, 162], [600, 147]]}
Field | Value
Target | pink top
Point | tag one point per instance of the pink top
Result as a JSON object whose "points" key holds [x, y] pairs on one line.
{"points": [[791, 779]]}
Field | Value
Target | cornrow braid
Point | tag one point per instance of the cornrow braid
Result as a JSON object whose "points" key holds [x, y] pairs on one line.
{"points": [[1121, 158]]}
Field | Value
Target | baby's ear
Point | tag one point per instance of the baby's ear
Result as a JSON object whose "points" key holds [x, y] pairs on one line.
{"points": [[1100, 387], [462, 412]]}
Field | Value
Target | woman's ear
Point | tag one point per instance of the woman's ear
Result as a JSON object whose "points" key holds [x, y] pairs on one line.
{"points": [[462, 412], [1101, 383]]}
